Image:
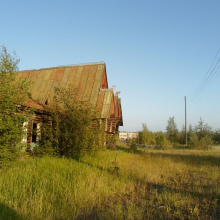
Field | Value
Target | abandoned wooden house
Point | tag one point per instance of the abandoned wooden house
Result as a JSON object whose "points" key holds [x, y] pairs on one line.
{"points": [[91, 82]]}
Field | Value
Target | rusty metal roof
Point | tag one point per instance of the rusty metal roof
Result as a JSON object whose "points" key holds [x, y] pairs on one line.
{"points": [[88, 79], [104, 103], [109, 105]]}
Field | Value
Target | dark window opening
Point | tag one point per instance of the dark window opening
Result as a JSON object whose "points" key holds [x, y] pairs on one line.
{"points": [[34, 133]]}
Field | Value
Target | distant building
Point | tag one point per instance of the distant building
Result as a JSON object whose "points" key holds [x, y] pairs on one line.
{"points": [[124, 136]]}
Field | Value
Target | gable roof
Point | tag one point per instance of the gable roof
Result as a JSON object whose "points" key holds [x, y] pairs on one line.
{"points": [[87, 79]]}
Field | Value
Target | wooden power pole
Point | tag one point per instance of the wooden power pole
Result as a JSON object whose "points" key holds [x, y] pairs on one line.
{"points": [[185, 121]]}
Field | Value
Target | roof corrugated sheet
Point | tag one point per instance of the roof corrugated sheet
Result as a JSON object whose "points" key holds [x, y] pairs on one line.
{"points": [[88, 79], [104, 103]]}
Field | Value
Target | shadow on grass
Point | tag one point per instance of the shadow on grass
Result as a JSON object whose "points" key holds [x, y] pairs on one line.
{"points": [[7, 213], [190, 158], [129, 149], [112, 169], [147, 194], [186, 188], [144, 200], [182, 147]]}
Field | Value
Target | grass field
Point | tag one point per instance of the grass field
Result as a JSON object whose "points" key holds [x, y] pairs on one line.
{"points": [[153, 184]]}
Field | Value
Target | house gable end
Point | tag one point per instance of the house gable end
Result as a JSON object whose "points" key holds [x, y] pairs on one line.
{"points": [[104, 80]]}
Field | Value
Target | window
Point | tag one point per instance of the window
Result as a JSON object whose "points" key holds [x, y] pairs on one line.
{"points": [[34, 133]]}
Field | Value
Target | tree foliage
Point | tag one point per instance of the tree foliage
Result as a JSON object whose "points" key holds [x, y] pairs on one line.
{"points": [[203, 129], [13, 93], [172, 130], [216, 136], [201, 137], [161, 139], [146, 136]]}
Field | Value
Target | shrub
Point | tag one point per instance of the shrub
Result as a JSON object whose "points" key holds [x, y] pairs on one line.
{"points": [[162, 141], [205, 143], [194, 141], [112, 140], [75, 127], [133, 149]]}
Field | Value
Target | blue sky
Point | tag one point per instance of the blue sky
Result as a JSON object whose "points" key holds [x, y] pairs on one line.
{"points": [[156, 52]]}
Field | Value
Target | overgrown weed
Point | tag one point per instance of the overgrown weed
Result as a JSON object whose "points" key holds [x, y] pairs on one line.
{"points": [[156, 184]]}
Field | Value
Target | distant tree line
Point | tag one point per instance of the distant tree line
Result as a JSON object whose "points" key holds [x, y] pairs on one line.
{"points": [[201, 136]]}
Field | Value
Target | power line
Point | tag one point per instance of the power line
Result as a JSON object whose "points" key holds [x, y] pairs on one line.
{"points": [[207, 79], [207, 71], [206, 82], [207, 88]]}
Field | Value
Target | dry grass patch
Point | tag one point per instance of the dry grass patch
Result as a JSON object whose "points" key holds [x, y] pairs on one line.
{"points": [[172, 184]]}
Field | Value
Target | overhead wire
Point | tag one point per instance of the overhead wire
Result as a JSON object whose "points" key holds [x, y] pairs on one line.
{"points": [[209, 77], [202, 94], [207, 72], [214, 73], [205, 79]]}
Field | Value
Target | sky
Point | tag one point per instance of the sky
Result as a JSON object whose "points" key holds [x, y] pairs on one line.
{"points": [[156, 51]]}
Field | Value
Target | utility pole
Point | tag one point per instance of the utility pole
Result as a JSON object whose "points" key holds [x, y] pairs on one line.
{"points": [[185, 121]]}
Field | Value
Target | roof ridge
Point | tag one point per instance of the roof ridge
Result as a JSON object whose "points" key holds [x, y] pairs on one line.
{"points": [[48, 68]]}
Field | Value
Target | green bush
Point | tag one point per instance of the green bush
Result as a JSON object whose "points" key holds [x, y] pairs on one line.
{"points": [[133, 148], [205, 143], [112, 140], [76, 129], [13, 93], [161, 140], [194, 141]]}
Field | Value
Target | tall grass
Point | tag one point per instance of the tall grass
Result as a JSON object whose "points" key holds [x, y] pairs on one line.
{"points": [[172, 184]]}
